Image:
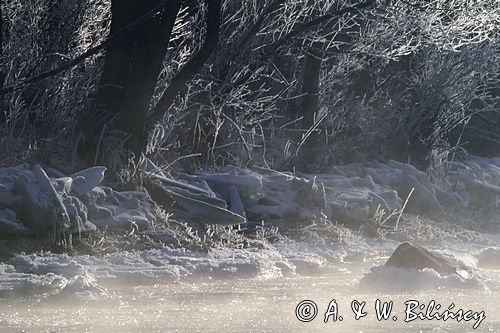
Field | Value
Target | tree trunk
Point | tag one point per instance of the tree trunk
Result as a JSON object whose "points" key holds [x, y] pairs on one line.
{"points": [[194, 65], [3, 111], [310, 102], [131, 68], [310, 86]]}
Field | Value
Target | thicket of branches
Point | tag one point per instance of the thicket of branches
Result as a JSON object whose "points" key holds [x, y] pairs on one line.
{"points": [[278, 83]]}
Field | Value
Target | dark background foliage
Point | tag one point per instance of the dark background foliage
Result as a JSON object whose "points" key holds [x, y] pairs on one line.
{"points": [[277, 83]]}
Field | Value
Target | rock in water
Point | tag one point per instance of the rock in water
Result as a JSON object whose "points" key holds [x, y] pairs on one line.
{"points": [[414, 256]]}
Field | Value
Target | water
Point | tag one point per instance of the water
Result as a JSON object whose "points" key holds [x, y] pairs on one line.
{"points": [[255, 300]]}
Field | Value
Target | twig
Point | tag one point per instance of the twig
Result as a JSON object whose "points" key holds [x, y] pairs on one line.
{"points": [[403, 208], [304, 138]]}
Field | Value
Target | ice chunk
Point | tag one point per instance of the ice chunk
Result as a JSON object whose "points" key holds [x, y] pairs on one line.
{"points": [[210, 213], [42, 209], [489, 258], [10, 224], [86, 180]]}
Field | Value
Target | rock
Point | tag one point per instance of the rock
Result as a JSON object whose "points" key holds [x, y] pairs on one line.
{"points": [[414, 256]]}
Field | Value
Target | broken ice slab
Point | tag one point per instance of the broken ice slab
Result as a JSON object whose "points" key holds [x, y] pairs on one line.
{"points": [[211, 214], [41, 208], [235, 203], [86, 180], [10, 224], [32, 202], [209, 210]]}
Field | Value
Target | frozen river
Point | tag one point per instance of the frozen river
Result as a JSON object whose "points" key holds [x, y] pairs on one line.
{"points": [[253, 279], [256, 294]]}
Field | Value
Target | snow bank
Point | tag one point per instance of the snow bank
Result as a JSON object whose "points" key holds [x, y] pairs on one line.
{"points": [[397, 279], [475, 182], [34, 200], [31, 201], [352, 193], [489, 258], [83, 277], [14, 283]]}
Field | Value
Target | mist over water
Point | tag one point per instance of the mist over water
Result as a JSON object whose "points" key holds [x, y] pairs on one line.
{"points": [[248, 292]]}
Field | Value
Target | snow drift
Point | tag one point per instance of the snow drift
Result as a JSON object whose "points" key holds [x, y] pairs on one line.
{"points": [[33, 200], [351, 194]]}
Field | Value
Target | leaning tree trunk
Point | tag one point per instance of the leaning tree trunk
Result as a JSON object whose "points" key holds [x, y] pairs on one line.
{"points": [[195, 64], [132, 65]]}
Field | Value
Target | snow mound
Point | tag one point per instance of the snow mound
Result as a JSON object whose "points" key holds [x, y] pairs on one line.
{"points": [[351, 194], [14, 283], [33, 202], [489, 258], [82, 287], [49, 275], [83, 277], [397, 279]]}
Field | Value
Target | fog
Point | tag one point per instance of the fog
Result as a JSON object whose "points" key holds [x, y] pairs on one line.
{"points": [[252, 303]]}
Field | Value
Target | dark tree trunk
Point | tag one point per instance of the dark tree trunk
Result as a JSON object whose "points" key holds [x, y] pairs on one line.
{"points": [[194, 65], [310, 85], [310, 102], [131, 68], [2, 74]]}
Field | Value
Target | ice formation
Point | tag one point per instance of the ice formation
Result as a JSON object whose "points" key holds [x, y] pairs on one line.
{"points": [[33, 202], [85, 276], [348, 194], [396, 279]]}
